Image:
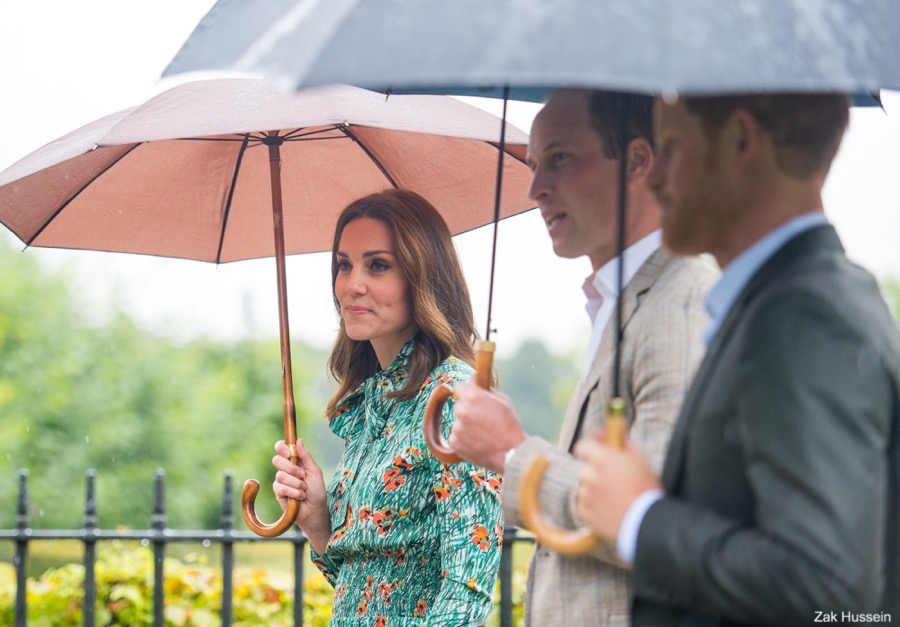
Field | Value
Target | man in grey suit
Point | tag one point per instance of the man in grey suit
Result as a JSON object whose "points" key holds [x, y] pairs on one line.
{"points": [[779, 501], [574, 155]]}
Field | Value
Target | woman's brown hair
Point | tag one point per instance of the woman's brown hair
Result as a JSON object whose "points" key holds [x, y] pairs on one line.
{"points": [[440, 298]]}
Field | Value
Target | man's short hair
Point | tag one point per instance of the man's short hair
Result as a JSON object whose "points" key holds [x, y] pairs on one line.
{"points": [[606, 110], [806, 129]]}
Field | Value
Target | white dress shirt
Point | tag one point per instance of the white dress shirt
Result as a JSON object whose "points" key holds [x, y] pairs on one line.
{"points": [[602, 289]]}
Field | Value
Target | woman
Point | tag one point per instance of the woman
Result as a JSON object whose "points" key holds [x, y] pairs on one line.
{"points": [[403, 539]]}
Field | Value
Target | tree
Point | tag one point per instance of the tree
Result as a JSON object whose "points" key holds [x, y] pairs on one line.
{"points": [[539, 384], [123, 401]]}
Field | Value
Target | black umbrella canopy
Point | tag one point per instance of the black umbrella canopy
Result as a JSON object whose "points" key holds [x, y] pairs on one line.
{"points": [[653, 46]]}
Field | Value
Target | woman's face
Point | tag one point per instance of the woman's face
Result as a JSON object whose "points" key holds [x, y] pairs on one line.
{"points": [[373, 294]]}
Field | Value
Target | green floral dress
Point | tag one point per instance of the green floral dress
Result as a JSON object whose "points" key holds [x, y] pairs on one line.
{"points": [[414, 542]]}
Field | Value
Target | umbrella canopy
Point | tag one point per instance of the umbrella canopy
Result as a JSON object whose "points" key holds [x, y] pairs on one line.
{"points": [[187, 174], [695, 46]]}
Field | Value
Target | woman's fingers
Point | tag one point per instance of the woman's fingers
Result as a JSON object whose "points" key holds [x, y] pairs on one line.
{"points": [[289, 487]]}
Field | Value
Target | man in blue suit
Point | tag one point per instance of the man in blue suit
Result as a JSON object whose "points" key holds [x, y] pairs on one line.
{"points": [[779, 500]]}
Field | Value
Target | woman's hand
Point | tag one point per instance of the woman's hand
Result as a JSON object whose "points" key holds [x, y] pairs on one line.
{"points": [[303, 482]]}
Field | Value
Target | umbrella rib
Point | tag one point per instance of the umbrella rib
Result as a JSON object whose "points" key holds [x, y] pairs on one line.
{"points": [[237, 169], [302, 133], [76, 194], [506, 151], [240, 137], [374, 159]]}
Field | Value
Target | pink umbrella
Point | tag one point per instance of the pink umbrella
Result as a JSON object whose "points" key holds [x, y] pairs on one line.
{"points": [[196, 173]]}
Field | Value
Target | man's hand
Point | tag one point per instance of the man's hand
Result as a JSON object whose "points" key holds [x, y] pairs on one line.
{"points": [[486, 426], [609, 483]]}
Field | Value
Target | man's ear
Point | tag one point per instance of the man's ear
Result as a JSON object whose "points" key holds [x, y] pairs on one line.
{"points": [[640, 159], [745, 133]]}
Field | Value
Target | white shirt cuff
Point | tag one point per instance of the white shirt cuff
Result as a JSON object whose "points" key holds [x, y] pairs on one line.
{"points": [[508, 456], [626, 542]]}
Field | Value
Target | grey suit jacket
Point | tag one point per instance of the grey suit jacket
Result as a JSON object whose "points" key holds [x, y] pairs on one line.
{"points": [[663, 317], [783, 476]]}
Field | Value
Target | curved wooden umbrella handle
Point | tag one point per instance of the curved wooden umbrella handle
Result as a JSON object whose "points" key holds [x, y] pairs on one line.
{"points": [[484, 368], [564, 541], [248, 509]]}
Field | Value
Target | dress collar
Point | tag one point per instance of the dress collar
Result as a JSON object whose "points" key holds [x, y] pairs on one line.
{"points": [[368, 404]]}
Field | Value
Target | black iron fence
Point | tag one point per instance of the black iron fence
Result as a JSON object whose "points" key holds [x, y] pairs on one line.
{"points": [[159, 536]]}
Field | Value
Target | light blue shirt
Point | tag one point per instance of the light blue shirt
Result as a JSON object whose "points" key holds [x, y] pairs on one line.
{"points": [[718, 303], [736, 275]]}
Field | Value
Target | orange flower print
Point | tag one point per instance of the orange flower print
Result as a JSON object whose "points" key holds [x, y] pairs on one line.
{"points": [[385, 590], [393, 479], [450, 481], [364, 513], [444, 377], [399, 554], [483, 481], [481, 537], [401, 462], [383, 520], [340, 411], [421, 607], [362, 608], [499, 532], [339, 592], [381, 621], [350, 520], [441, 492]]}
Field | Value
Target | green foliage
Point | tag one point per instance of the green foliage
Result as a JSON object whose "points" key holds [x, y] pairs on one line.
{"points": [[539, 384], [75, 396], [192, 596]]}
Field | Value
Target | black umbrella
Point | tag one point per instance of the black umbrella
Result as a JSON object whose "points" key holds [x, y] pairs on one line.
{"points": [[650, 46]]}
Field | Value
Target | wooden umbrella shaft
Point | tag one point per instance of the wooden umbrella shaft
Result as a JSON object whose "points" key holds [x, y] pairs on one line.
{"points": [[290, 419], [251, 486]]}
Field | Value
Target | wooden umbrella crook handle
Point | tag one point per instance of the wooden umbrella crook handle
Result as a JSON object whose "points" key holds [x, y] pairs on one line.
{"points": [[564, 541], [248, 509], [484, 368]]}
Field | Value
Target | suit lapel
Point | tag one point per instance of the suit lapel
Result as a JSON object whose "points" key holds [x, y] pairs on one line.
{"points": [[642, 281], [807, 242]]}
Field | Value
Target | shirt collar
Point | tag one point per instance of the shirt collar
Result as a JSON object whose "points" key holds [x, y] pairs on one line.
{"points": [[736, 274], [604, 283]]}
